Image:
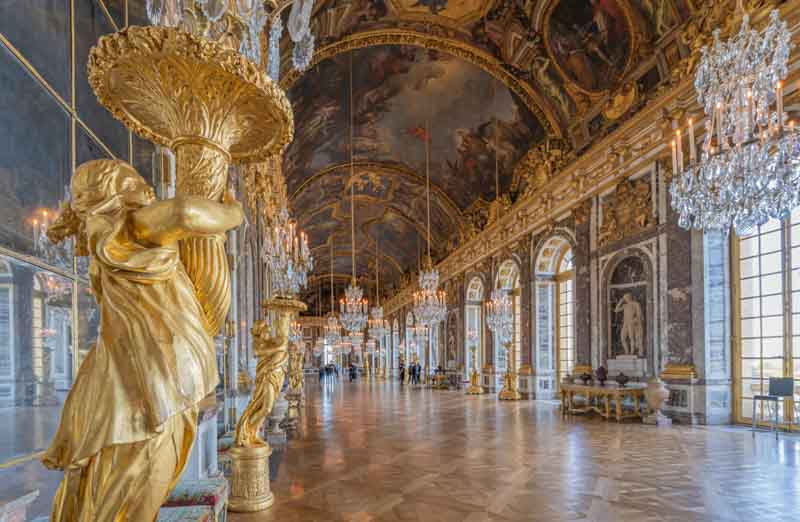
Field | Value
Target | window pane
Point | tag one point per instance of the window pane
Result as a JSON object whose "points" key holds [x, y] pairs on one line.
{"points": [[748, 267], [771, 242], [772, 347], [751, 348], [748, 247], [771, 284], [770, 263], [751, 307], [751, 328], [750, 287]]}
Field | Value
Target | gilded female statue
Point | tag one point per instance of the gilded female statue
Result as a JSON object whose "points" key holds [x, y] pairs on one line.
{"points": [[272, 354], [129, 420]]}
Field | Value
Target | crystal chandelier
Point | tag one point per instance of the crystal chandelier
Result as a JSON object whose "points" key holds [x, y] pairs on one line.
{"points": [[332, 329], [287, 256], [56, 253], [500, 316], [244, 20], [430, 304], [353, 308], [747, 170]]}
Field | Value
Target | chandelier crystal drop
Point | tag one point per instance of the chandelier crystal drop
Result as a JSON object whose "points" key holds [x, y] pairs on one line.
{"points": [[500, 316], [747, 171], [285, 252], [244, 20]]}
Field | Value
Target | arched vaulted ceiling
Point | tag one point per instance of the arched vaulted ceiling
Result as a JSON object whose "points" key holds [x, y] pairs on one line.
{"points": [[492, 79]]}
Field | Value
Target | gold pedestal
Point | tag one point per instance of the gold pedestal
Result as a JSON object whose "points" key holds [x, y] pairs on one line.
{"points": [[510, 391], [475, 387], [366, 366], [250, 479]]}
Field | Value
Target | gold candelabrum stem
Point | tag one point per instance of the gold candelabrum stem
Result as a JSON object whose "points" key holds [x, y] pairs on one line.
{"points": [[295, 370], [272, 353], [202, 170], [510, 391], [474, 378], [366, 365]]}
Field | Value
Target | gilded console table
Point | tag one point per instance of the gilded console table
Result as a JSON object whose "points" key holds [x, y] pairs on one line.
{"points": [[600, 398]]}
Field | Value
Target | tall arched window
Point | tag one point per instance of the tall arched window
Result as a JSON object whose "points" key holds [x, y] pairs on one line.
{"points": [[508, 279], [555, 308], [473, 311], [766, 275]]}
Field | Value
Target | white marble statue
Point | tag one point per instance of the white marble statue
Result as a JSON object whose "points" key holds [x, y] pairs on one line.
{"points": [[631, 332]]}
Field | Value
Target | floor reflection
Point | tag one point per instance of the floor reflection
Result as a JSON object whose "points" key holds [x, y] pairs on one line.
{"points": [[379, 451]]}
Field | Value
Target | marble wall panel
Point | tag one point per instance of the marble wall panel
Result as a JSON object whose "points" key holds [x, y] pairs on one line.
{"points": [[678, 330]]}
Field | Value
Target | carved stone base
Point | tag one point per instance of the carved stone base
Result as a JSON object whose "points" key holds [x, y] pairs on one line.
{"points": [[250, 479], [630, 365], [657, 419]]}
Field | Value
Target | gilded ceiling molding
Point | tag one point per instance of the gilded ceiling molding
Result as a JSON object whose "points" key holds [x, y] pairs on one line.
{"points": [[389, 169], [451, 46]]}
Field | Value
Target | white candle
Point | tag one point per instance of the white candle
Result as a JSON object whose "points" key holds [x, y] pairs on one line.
{"points": [[750, 129], [35, 231], [719, 126], [679, 144], [674, 160], [779, 94]]}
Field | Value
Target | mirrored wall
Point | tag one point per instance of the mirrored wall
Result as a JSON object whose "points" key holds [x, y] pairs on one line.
{"points": [[50, 123]]}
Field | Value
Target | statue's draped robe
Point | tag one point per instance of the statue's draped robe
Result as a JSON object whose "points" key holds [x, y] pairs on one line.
{"points": [[129, 421]]}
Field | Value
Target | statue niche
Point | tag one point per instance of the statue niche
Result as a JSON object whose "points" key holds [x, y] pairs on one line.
{"points": [[628, 329]]}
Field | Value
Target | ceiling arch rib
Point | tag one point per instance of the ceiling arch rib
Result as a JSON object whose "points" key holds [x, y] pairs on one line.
{"points": [[533, 100]]}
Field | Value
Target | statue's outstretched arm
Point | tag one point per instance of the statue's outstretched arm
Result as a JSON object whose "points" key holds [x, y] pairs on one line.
{"points": [[169, 221]]}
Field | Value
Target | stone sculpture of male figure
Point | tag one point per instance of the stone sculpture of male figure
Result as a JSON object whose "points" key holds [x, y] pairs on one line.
{"points": [[631, 332]]}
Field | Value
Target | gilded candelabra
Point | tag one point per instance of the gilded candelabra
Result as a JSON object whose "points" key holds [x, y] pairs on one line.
{"points": [[207, 103], [500, 319], [294, 394], [475, 387], [250, 489]]}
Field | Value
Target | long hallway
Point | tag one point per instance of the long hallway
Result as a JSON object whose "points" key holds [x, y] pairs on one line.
{"points": [[376, 451]]}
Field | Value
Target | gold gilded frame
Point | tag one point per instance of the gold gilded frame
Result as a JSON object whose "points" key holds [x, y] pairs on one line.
{"points": [[632, 46]]}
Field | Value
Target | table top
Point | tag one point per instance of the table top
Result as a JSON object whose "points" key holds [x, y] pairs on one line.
{"points": [[610, 387]]}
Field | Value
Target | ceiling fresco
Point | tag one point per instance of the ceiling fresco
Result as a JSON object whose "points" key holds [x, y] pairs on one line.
{"points": [[397, 91], [491, 81]]}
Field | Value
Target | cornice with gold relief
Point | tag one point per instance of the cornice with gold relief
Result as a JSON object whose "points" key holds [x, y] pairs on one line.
{"points": [[638, 142]]}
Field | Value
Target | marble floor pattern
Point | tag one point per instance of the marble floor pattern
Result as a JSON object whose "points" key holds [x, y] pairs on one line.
{"points": [[381, 452]]}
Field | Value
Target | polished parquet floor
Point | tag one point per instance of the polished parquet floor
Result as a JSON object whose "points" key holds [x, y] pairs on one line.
{"points": [[379, 452]]}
